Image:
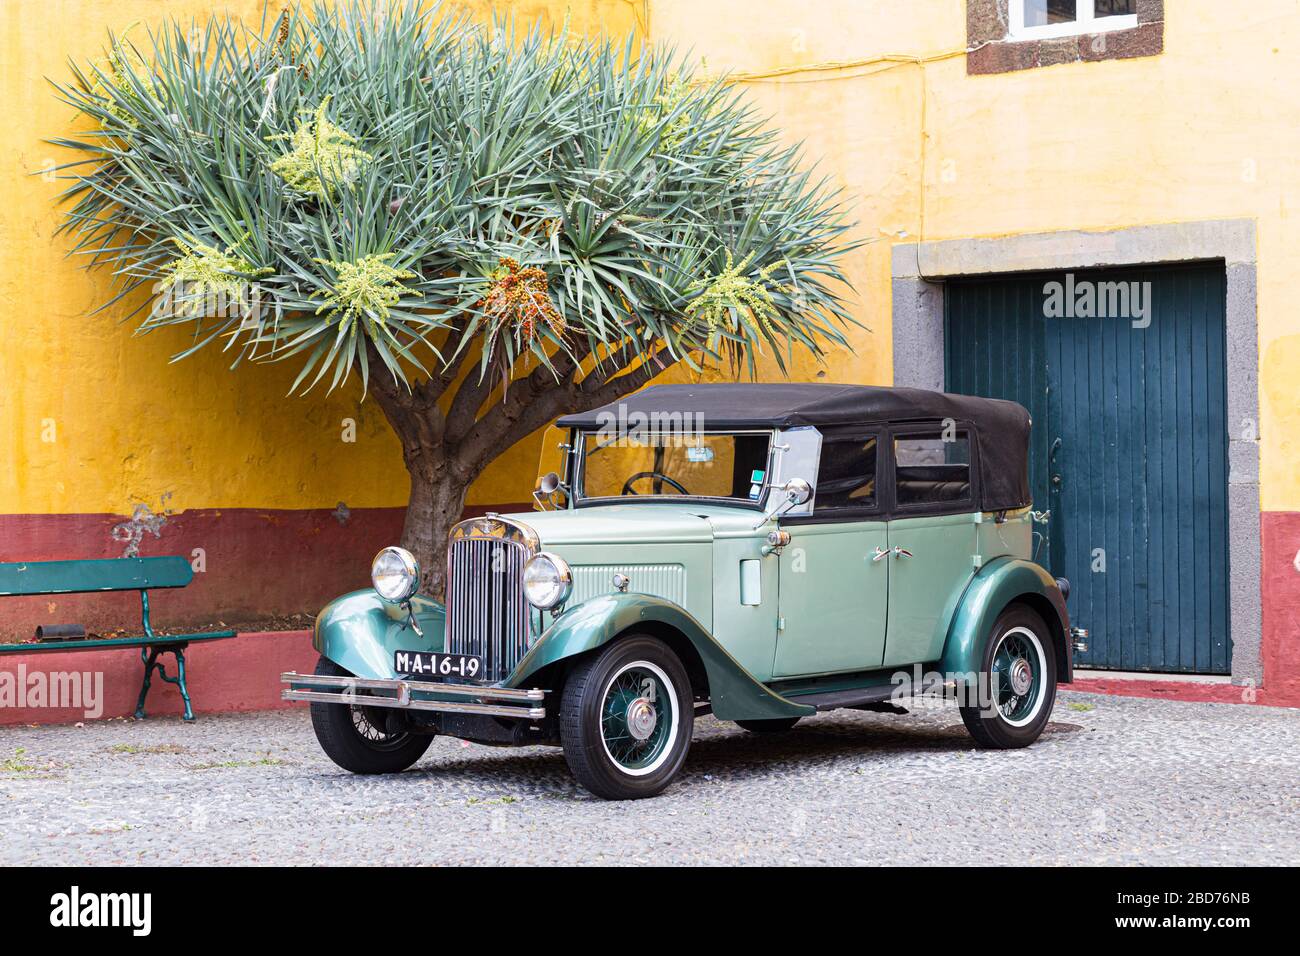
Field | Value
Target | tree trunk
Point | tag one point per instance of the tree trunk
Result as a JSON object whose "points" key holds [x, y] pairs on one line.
{"points": [[439, 476], [445, 452], [437, 500]]}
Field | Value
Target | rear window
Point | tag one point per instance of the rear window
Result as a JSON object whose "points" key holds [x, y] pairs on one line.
{"points": [[931, 468]]}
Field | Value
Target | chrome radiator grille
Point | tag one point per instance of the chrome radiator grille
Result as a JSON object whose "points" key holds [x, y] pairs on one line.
{"points": [[487, 615]]}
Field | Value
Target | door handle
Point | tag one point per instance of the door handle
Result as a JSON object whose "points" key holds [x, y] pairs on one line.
{"points": [[886, 552]]}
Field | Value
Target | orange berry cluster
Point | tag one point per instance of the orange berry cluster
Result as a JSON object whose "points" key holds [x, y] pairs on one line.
{"points": [[520, 297]]}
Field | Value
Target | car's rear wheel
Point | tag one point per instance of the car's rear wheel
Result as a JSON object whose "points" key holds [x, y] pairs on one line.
{"points": [[1019, 678], [355, 736], [626, 717], [778, 725]]}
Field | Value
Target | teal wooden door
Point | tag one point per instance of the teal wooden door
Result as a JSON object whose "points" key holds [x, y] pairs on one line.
{"points": [[1128, 446]]}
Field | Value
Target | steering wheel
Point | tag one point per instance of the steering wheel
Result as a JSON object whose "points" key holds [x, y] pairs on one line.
{"points": [[627, 485]]}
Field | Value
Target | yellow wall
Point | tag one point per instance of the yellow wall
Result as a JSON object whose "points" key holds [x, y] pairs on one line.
{"points": [[128, 427], [1210, 129], [1207, 130]]}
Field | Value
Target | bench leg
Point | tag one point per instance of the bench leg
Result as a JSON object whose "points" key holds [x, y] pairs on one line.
{"points": [[179, 654], [150, 658]]}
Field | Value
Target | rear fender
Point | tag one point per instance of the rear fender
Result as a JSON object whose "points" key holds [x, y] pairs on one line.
{"points": [[999, 583], [733, 691]]}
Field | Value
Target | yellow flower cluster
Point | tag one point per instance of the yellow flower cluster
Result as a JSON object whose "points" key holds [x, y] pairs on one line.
{"points": [[207, 278], [116, 88], [667, 100], [365, 288], [321, 156], [733, 290]]}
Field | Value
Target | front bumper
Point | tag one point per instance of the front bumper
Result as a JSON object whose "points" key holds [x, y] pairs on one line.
{"points": [[415, 695]]}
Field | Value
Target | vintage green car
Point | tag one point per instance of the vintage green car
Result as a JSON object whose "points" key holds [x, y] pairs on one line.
{"points": [[760, 552]]}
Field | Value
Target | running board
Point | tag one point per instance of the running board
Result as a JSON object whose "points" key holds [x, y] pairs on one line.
{"points": [[835, 699]]}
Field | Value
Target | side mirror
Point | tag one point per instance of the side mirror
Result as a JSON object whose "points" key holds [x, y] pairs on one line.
{"points": [[796, 491]]}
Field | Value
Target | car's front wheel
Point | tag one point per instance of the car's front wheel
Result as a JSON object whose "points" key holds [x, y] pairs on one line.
{"points": [[356, 737], [626, 717], [1019, 682]]}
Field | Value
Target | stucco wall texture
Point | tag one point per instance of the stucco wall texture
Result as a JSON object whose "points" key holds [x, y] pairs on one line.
{"points": [[1206, 130]]}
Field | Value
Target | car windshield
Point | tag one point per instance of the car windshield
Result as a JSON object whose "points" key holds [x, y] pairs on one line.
{"points": [[701, 465]]}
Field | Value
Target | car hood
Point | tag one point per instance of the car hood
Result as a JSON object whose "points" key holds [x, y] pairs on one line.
{"points": [[641, 523]]}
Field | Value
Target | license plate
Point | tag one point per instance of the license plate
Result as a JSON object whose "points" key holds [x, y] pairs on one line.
{"points": [[425, 664]]}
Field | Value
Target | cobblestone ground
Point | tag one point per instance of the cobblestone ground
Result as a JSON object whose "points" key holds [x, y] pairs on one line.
{"points": [[1114, 780]]}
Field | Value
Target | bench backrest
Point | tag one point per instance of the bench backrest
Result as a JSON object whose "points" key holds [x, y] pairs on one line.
{"points": [[101, 574]]}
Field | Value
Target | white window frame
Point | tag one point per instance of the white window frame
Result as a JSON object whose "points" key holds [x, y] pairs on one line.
{"points": [[1086, 22]]}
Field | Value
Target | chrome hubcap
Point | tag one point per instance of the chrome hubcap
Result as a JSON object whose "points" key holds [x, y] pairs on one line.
{"points": [[1022, 677], [641, 718]]}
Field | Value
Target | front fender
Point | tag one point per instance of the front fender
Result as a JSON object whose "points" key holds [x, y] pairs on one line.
{"points": [[360, 631], [733, 692], [996, 585]]}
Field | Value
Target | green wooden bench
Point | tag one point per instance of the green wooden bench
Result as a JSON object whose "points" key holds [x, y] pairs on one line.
{"points": [[111, 574]]}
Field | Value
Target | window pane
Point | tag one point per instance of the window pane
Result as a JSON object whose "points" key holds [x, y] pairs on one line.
{"points": [[1040, 13], [929, 469], [846, 477], [1114, 8], [714, 466]]}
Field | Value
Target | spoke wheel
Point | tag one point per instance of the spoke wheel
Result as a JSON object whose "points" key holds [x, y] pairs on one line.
{"points": [[637, 717], [351, 734], [1018, 675], [1018, 682], [626, 716], [367, 722]]}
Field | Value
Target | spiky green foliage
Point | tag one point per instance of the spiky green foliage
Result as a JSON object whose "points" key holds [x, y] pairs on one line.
{"points": [[386, 160]]}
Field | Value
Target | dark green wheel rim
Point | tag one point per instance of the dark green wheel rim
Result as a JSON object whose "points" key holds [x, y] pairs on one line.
{"points": [[1018, 655], [637, 690]]}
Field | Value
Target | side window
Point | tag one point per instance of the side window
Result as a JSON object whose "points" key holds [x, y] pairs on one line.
{"points": [[846, 477], [931, 469]]}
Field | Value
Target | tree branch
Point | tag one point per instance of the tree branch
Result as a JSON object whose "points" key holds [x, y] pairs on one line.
{"points": [[413, 414], [470, 396], [600, 390], [452, 346], [499, 428], [545, 392]]}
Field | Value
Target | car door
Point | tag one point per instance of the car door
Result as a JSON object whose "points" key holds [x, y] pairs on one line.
{"points": [[933, 536], [832, 604]]}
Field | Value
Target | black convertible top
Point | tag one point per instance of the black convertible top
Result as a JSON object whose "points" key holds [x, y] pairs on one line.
{"points": [[1001, 429]]}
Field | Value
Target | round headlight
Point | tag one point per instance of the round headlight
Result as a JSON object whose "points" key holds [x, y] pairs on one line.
{"points": [[395, 574], [547, 580]]}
